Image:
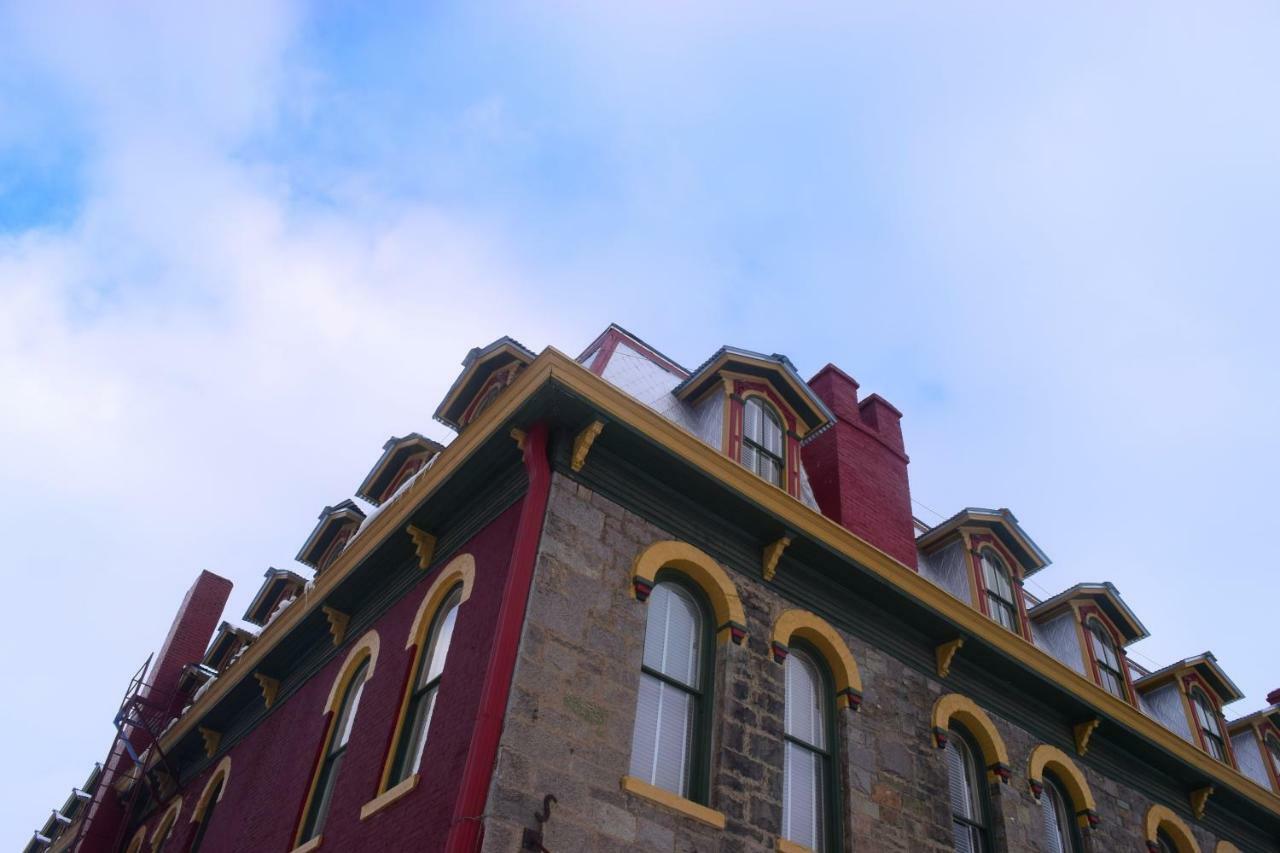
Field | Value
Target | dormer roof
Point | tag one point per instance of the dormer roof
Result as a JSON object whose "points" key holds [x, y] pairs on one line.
{"points": [[775, 369], [1106, 597], [226, 642], [600, 352], [477, 367], [276, 580], [395, 452], [1270, 714], [1206, 666], [1001, 522], [332, 521]]}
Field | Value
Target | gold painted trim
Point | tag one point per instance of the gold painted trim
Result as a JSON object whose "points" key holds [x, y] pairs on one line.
{"points": [[1046, 757], [366, 648], [1226, 847], [700, 568], [270, 687], [772, 554], [675, 802], [1162, 817], [582, 444], [164, 827], [308, 846], [211, 741], [220, 774], [337, 623], [424, 545], [945, 653], [388, 797], [135, 843], [1082, 732], [964, 710], [1200, 800], [785, 846], [819, 633]]}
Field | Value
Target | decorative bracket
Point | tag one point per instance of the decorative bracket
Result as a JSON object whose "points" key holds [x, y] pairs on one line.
{"points": [[945, 653], [772, 554], [337, 623], [211, 740], [582, 444], [424, 543], [270, 687], [1199, 799], [518, 436], [1083, 731]]}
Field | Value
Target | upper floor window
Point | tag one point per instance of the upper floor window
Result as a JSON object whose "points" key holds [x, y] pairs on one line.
{"points": [[1273, 749], [1001, 601], [203, 826], [807, 810], [968, 805], [490, 394], [1056, 819], [762, 440], [335, 749], [1106, 657], [426, 686], [1207, 720], [666, 748]]}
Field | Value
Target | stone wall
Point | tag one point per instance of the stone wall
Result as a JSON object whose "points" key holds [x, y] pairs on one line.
{"points": [[569, 723]]}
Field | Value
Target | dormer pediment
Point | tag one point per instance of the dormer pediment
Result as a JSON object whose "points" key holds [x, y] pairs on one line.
{"points": [[401, 458], [1089, 598], [337, 524], [1203, 669], [278, 585], [998, 523], [485, 372], [742, 372]]}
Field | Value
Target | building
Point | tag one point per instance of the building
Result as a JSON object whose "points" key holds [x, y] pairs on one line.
{"points": [[634, 606]]}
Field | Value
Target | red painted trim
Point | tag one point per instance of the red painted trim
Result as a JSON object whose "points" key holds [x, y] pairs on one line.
{"points": [[607, 341], [980, 540], [605, 352], [465, 830], [1092, 611], [1193, 679]]}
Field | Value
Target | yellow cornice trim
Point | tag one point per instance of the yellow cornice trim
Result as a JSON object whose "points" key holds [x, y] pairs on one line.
{"points": [[388, 797], [699, 567], [962, 709], [819, 633], [675, 802], [366, 649], [1162, 817], [1049, 757], [220, 774]]}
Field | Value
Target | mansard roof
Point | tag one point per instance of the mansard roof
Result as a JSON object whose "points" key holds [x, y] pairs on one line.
{"points": [[1206, 666], [259, 610], [775, 369], [1105, 596], [394, 453], [1001, 522], [477, 367], [332, 520]]}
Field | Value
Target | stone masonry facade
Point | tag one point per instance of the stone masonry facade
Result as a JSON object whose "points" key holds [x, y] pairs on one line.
{"points": [[569, 724]]}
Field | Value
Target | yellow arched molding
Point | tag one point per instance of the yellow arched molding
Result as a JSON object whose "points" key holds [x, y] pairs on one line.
{"points": [[1226, 847], [818, 633], [731, 619], [367, 648], [220, 774], [460, 570], [167, 820], [135, 843], [1161, 817], [962, 709], [1045, 757]]}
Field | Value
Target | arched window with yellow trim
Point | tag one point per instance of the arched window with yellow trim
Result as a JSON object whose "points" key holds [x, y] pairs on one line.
{"points": [[135, 843], [970, 809], [429, 669], [1167, 833], [202, 814], [1058, 831], [164, 829]]}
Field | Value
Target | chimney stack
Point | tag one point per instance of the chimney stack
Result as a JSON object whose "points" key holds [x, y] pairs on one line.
{"points": [[858, 466]]}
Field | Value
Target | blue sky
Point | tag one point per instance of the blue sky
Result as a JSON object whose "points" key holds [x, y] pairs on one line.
{"points": [[240, 248]]}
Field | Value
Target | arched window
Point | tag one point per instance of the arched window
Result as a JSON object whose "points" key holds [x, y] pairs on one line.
{"points": [[1001, 602], [667, 744], [1273, 750], [968, 799], [164, 830], [762, 448], [1210, 728], [426, 684], [335, 748], [808, 812], [203, 826], [490, 394], [1055, 813], [1107, 658], [1165, 843]]}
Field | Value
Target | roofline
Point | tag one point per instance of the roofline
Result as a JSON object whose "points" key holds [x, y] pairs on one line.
{"points": [[614, 327]]}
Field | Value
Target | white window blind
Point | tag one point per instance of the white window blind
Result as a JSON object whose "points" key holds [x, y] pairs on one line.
{"points": [[1055, 820], [804, 780], [762, 447], [966, 812]]}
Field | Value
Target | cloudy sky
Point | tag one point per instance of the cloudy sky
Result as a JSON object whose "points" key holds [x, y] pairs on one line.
{"points": [[241, 247]]}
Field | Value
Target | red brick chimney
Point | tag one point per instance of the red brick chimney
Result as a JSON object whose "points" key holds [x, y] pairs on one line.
{"points": [[858, 466]]}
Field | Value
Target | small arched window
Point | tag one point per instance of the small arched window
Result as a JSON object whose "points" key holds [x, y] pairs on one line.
{"points": [[807, 807], [762, 446], [335, 749], [968, 801], [1210, 728], [1273, 750], [426, 685], [667, 743], [1107, 658], [203, 826], [1055, 814], [1001, 601]]}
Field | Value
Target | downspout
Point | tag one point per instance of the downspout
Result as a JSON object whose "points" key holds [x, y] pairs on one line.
{"points": [[465, 827]]}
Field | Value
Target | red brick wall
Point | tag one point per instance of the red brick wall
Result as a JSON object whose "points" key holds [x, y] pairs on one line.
{"points": [[858, 466], [271, 768]]}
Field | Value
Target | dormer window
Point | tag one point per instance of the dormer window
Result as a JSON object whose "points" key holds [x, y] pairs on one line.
{"points": [[1001, 601], [1106, 657], [1209, 725], [1273, 752], [337, 526], [762, 447]]}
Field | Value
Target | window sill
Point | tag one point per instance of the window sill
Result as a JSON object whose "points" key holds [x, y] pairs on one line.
{"points": [[308, 846], [785, 846], [675, 802], [387, 797]]}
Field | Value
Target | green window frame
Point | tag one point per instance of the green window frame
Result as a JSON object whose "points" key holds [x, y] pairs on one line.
{"points": [[816, 740], [335, 748]]}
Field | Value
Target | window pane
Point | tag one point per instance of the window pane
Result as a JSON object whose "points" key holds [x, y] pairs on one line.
{"points": [[347, 718], [1273, 747], [673, 634], [962, 799], [662, 738], [441, 637], [802, 797], [805, 703], [1056, 820], [421, 723]]}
